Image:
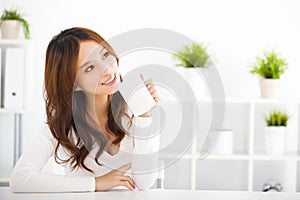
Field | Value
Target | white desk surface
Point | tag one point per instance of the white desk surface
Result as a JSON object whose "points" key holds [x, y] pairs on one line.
{"points": [[5, 194]]}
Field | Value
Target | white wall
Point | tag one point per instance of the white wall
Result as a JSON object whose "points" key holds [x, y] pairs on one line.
{"points": [[237, 31]]}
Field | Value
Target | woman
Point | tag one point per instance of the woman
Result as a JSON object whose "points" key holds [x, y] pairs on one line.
{"points": [[85, 116]]}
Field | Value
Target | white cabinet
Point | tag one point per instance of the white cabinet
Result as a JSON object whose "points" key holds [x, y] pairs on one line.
{"points": [[248, 168], [11, 117], [10, 50]]}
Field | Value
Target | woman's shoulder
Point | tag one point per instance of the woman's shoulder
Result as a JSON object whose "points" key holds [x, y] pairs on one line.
{"points": [[44, 133]]}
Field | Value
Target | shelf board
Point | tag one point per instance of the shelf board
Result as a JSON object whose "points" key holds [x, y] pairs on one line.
{"points": [[12, 111], [239, 100], [287, 157], [226, 157], [256, 157], [209, 157], [172, 156], [275, 100], [4, 180], [252, 100], [14, 41]]}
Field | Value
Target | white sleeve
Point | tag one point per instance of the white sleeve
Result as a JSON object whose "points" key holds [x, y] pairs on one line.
{"points": [[145, 133], [142, 121], [27, 175], [145, 153]]}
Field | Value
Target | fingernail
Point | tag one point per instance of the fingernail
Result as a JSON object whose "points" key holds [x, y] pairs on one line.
{"points": [[142, 77]]}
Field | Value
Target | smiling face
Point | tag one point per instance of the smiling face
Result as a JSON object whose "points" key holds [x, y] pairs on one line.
{"points": [[97, 71]]}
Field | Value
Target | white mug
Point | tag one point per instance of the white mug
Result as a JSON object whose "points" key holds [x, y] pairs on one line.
{"points": [[136, 95]]}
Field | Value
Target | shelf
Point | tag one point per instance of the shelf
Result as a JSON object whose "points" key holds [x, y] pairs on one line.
{"points": [[13, 111], [283, 172], [263, 157], [175, 180], [222, 175], [277, 100], [227, 157], [246, 166], [252, 100], [240, 100], [14, 42], [287, 157], [4, 180], [172, 156], [13, 116]]}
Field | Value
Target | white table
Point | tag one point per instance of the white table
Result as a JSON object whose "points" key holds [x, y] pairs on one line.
{"points": [[5, 194]]}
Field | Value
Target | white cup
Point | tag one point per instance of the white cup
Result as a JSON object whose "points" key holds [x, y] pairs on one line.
{"points": [[136, 95]]}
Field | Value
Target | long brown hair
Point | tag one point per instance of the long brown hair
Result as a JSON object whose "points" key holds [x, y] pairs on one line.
{"points": [[63, 103]]}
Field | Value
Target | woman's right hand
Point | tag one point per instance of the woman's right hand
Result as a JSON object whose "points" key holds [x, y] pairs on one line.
{"points": [[115, 178]]}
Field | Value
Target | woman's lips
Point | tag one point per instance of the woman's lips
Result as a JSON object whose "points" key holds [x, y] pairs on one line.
{"points": [[111, 81]]}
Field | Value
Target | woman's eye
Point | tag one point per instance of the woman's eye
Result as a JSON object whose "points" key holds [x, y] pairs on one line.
{"points": [[90, 68], [105, 55]]}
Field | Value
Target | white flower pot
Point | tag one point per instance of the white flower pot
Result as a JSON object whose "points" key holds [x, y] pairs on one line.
{"points": [[275, 140], [224, 144], [269, 88], [196, 80], [10, 29]]}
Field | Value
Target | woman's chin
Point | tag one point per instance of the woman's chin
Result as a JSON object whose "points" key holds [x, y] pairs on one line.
{"points": [[113, 90]]}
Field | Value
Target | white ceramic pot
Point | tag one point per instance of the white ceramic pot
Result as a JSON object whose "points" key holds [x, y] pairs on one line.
{"points": [[269, 88], [194, 77], [10, 29], [224, 144], [275, 140]]}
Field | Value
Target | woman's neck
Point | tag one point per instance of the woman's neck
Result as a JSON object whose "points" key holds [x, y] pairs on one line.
{"points": [[97, 107]]}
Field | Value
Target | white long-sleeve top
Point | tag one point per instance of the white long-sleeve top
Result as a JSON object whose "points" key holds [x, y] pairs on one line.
{"points": [[27, 175]]}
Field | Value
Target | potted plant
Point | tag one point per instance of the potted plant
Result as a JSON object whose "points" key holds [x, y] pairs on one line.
{"points": [[269, 68], [11, 22], [275, 132], [193, 58]]}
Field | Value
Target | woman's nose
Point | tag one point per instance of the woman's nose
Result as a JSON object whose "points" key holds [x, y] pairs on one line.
{"points": [[109, 71]]}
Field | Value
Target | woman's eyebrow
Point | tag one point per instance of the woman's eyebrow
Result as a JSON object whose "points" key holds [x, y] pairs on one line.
{"points": [[84, 64], [103, 48]]}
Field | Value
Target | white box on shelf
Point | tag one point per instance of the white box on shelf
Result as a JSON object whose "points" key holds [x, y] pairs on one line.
{"points": [[13, 74]]}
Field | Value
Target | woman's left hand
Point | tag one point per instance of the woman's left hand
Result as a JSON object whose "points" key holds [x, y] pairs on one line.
{"points": [[150, 86]]}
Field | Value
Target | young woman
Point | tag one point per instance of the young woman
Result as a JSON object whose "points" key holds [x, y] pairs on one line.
{"points": [[86, 132]]}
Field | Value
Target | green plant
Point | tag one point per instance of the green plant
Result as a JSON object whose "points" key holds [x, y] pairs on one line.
{"points": [[277, 118], [270, 66], [13, 14], [192, 56]]}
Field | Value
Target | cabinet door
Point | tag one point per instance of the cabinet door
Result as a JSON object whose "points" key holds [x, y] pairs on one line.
{"points": [[6, 146], [283, 172], [178, 174], [222, 175]]}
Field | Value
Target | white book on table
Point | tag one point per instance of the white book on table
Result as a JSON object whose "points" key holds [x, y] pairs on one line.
{"points": [[13, 85]]}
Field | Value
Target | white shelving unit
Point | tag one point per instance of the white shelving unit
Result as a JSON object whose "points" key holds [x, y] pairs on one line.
{"points": [[15, 115], [248, 168]]}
